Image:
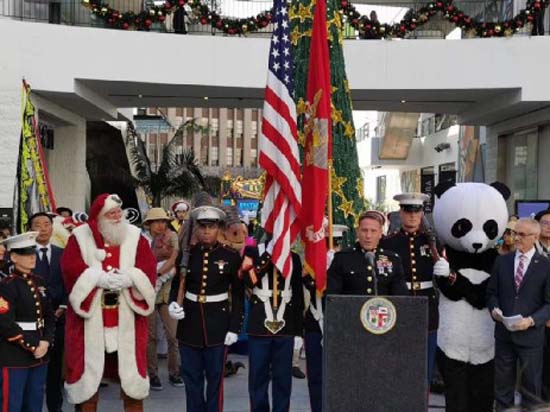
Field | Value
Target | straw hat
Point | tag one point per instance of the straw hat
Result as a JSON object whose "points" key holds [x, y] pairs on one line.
{"points": [[156, 213]]}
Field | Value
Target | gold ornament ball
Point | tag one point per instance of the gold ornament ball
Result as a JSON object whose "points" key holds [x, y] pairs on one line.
{"points": [[104, 9], [244, 27], [152, 12], [498, 29], [382, 29]]}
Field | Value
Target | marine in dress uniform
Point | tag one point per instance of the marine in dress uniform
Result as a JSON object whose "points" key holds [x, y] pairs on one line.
{"points": [[412, 244], [275, 322], [313, 333], [212, 312], [27, 328], [351, 272]]}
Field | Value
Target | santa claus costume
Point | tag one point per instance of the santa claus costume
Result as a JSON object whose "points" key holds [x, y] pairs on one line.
{"points": [[110, 273]]}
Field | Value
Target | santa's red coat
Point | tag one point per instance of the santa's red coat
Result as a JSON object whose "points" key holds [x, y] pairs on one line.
{"points": [[84, 259]]}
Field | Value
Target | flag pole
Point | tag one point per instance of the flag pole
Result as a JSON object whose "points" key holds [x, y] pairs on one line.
{"points": [[329, 206]]}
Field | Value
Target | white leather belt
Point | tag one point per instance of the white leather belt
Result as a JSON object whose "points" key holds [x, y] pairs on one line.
{"points": [[420, 285], [206, 298], [27, 325], [266, 294]]}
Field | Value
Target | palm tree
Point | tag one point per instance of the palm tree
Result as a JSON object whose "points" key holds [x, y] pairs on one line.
{"points": [[176, 174]]}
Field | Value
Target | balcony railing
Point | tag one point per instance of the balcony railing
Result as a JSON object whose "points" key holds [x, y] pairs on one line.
{"points": [[72, 12]]}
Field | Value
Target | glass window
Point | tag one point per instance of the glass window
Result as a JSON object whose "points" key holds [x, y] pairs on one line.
{"points": [[229, 157]]}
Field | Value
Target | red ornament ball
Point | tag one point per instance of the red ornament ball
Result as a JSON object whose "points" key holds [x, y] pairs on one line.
{"points": [[125, 26], [344, 3], [148, 22], [204, 20], [162, 18]]}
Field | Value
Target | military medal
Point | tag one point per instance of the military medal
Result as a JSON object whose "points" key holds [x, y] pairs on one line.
{"points": [[221, 264]]}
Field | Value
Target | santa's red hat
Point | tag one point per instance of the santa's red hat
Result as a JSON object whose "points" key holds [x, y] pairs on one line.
{"points": [[102, 204]]}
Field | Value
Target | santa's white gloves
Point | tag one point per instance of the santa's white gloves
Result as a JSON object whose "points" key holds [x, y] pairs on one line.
{"points": [[109, 280], [298, 342], [441, 268], [176, 311], [125, 280], [230, 338]]}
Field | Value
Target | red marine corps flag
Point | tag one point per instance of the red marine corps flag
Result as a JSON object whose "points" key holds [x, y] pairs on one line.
{"points": [[318, 149]]}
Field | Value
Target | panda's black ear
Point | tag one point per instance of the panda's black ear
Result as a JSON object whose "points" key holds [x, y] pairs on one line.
{"points": [[443, 187], [502, 189]]}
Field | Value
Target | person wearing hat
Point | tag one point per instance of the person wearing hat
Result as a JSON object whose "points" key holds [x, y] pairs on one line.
{"points": [[27, 328], [313, 326], [275, 326], [412, 244], [180, 210], [164, 244], [64, 211], [209, 319], [110, 274]]}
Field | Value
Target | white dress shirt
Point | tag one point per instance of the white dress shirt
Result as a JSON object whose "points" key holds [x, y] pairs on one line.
{"points": [[48, 253]]}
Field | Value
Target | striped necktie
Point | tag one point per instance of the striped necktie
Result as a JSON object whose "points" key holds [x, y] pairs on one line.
{"points": [[518, 278]]}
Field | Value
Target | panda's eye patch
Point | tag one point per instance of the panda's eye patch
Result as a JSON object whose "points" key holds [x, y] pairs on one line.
{"points": [[490, 228], [461, 227]]}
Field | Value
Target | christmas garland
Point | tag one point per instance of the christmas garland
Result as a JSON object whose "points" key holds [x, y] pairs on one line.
{"points": [[366, 27]]}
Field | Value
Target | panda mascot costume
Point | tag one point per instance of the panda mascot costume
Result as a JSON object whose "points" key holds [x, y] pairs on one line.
{"points": [[469, 218]]}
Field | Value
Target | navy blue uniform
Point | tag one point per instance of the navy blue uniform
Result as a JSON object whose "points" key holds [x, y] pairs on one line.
{"points": [[212, 277], [313, 337], [351, 274], [271, 350], [26, 318], [418, 263]]}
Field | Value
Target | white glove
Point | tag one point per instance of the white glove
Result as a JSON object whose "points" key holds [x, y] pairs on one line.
{"points": [[298, 342], [176, 311], [330, 257], [497, 314], [441, 268], [109, 280], [231, 338], [125, 280]]}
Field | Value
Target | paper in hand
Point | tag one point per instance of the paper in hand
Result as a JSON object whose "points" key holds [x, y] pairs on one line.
{"points": [[511, 321]]}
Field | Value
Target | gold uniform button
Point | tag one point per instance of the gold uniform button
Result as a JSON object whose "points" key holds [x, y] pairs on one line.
{"points": [[36, 304], [204, 277], [203, 284], [369, 290], [35, 296], [32, 289], [412, 254], [414, 277], [369, 267], [38, 311], [203, 291], [413, 262], [206, 255], [369, 278], [205, 269], [29, 283], [33, 348], [205, 261], [414, 269]]}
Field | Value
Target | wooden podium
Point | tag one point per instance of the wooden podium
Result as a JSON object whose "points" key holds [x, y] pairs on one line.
{"points": [[375, 354]]}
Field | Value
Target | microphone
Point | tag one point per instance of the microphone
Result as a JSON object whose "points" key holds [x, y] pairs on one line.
{"points": [[369, 255]]}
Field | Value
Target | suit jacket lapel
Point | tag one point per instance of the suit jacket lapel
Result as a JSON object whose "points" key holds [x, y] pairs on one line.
{"points": [[532, 264]]}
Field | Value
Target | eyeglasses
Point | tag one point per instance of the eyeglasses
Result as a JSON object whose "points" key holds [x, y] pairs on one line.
{"points": [[521, 234]]}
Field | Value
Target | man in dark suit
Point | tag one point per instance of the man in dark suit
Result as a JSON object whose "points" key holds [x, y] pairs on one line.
{"points": [[48, 266], [520, 285]]}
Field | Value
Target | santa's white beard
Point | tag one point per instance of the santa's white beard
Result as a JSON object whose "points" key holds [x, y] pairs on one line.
{"points": [[113, 231]]}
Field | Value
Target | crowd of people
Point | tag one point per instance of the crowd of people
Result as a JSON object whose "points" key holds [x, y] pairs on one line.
{"points": [[73, 318]]}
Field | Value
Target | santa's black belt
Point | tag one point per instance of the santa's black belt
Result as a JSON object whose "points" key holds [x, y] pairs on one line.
{"points": [[109, 299]]}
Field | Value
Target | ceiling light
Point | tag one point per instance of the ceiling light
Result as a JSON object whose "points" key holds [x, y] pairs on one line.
{"points": [[140, 96], [403, 101], [205, 97]]}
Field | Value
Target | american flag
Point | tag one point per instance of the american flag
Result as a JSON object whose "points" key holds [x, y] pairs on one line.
{"points": [[278, 145]]}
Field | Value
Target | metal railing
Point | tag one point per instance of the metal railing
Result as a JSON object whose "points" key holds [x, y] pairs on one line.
{"points": [[72, 12]]}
